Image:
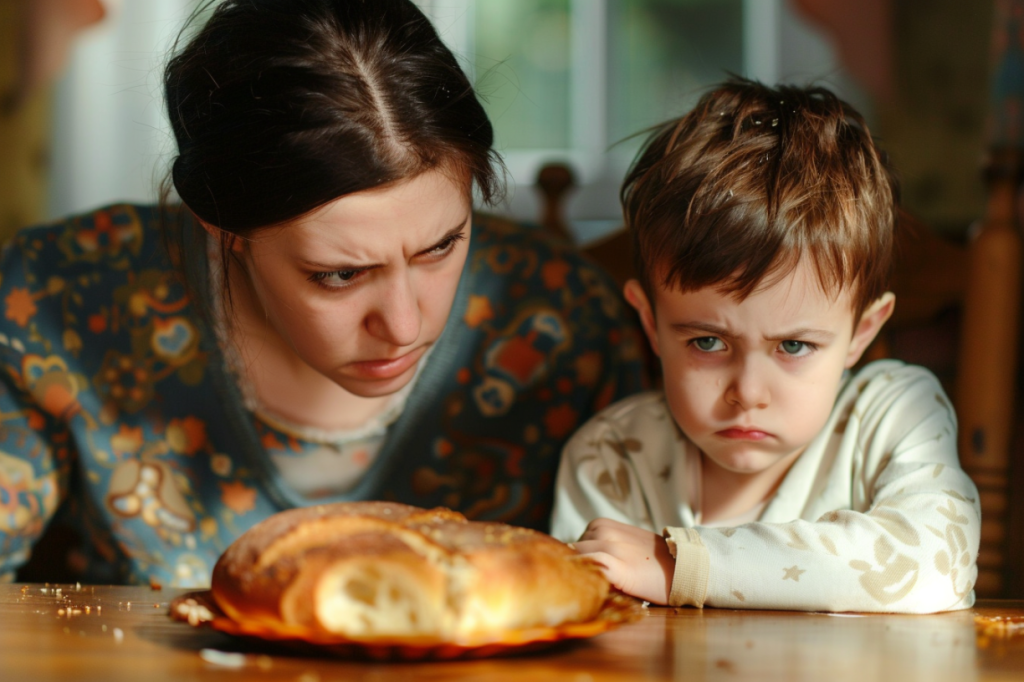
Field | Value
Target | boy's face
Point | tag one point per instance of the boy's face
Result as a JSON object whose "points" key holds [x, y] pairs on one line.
{"points": [[752, 382]]}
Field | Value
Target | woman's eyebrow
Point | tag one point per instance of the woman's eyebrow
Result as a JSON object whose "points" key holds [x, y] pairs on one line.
{"points": [[336, 267], [447, 235], [342, 266]]}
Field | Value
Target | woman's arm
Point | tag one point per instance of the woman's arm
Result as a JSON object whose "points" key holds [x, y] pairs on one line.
{"points": [[35, 457], [37, 395]]}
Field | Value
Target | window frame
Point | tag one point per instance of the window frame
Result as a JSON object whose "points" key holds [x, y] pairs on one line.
{"points": [[778, 46]]}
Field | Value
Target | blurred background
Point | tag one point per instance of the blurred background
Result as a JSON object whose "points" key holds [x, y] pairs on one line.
{"points": [[575, 83], [570, 81]]}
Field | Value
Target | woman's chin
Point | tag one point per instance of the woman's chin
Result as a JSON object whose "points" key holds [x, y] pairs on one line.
{"points": [[376, 388]]}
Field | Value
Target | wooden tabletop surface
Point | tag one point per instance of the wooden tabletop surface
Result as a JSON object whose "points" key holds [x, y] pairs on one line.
{"points": [[124, 633]]}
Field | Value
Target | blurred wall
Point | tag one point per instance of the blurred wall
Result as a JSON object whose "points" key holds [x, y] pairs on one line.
{"points": [[24, 132], [111, 139], [935, 124]]}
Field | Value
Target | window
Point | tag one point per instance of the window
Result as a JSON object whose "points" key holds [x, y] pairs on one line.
{"points": [[111, 138], [563, 80], [575, 81]]}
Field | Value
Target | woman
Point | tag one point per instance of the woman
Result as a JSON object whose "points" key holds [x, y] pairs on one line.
{"points": [[339, 332]]}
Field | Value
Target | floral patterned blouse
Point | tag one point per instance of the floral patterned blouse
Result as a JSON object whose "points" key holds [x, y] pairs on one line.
{"points": [[120, 418]]}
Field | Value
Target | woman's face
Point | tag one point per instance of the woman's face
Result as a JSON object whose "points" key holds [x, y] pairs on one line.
{"points": [[361, 288]]}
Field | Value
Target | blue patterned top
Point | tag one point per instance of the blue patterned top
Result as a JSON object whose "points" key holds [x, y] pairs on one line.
{"points": [[120, 418]]}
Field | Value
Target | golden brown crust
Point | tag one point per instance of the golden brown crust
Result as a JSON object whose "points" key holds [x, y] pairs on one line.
{"points": [[366, 569]]}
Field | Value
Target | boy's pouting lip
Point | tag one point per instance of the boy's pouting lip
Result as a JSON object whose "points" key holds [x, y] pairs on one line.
{"points": [[744, 434]]}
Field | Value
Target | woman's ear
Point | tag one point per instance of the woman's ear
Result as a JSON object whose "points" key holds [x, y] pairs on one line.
{"points": [[222, 236], [868, 326], [637, 297]]}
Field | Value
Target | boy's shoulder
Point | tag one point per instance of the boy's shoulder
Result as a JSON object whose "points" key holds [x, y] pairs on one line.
{"points": [[886, 379], [894, 395]]}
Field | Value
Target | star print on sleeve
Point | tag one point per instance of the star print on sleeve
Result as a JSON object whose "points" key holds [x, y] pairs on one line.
{"points": [[793, 573]]}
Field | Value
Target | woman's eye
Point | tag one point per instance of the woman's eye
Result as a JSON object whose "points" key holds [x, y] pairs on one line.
{"points": [[338, 279], [446, 246], [709, 344], [795, 348]]}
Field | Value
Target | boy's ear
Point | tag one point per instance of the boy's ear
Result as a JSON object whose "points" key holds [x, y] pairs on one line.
{"points": [[870, 323], [637, 297]]}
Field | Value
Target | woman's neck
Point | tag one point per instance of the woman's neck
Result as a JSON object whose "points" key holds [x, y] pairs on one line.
{"points": [[283, 383]]}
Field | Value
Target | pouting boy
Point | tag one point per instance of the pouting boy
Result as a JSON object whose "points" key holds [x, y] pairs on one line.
{"points": [[769, 473]]}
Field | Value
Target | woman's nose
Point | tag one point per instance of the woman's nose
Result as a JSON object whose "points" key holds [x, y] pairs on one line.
{"points": [[396, 318], [749, 389]]}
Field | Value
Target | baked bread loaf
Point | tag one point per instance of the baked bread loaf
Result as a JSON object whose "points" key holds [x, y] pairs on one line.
{"points": [[365, 570]]}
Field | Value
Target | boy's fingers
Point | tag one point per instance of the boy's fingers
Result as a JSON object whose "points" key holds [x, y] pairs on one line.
{"points": [[604, 524], [607, 533], [589, 546], [611, 566]]}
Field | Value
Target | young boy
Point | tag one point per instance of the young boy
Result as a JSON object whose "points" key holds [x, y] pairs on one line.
{"points": [[769, 474]]}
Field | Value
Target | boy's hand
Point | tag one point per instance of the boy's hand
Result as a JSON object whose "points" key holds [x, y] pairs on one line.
{"points": [[634, 560]]}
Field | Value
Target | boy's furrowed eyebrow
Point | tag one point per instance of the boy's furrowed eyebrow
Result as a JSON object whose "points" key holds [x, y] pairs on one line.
{"points": [[341, 267], [820, 335], [701, 327]]}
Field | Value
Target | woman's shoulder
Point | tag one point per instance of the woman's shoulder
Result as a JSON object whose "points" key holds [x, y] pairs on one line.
{"points": [[540, 303], [523, 264], [110, 234], [68, 273], [492, 230]]}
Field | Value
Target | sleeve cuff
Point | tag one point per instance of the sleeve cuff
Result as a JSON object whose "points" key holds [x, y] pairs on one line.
{"points": [[690, 580]]}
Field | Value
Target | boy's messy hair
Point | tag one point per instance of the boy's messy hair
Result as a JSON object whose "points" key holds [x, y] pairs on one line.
{"points": [[754, 178]]}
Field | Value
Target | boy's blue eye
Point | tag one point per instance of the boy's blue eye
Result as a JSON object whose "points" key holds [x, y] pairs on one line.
{"points": [[709, 343], [795, 348]]}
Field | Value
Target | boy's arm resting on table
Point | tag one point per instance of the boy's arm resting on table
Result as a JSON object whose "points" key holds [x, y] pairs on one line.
{"points": [[914, 550], [598, 503], [593, 483]]}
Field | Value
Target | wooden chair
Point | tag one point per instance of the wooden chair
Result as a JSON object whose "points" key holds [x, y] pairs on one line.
{"points": [[957, 311]]}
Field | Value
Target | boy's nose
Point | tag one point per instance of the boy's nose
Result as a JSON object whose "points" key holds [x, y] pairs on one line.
{"points": [[748, 389]]}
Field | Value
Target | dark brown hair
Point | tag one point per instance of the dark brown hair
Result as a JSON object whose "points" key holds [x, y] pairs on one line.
{"points": [[281, 106], [755, 178]]}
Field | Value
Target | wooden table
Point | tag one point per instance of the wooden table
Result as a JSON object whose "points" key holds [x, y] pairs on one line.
{"points": [[124, 633]]}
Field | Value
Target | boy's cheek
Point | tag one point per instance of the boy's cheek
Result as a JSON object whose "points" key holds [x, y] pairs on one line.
{"points": [[689, 400]]}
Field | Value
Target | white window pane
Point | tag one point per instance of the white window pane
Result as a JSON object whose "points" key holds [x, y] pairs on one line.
{"points": [[663, 56], [521, 59]]}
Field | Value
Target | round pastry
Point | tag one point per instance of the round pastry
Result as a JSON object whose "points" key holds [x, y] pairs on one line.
{"points": [[363, 570]]}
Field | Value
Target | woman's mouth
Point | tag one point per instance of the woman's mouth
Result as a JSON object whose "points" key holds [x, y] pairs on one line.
{"points": [[387, 368], [753, 434]]}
